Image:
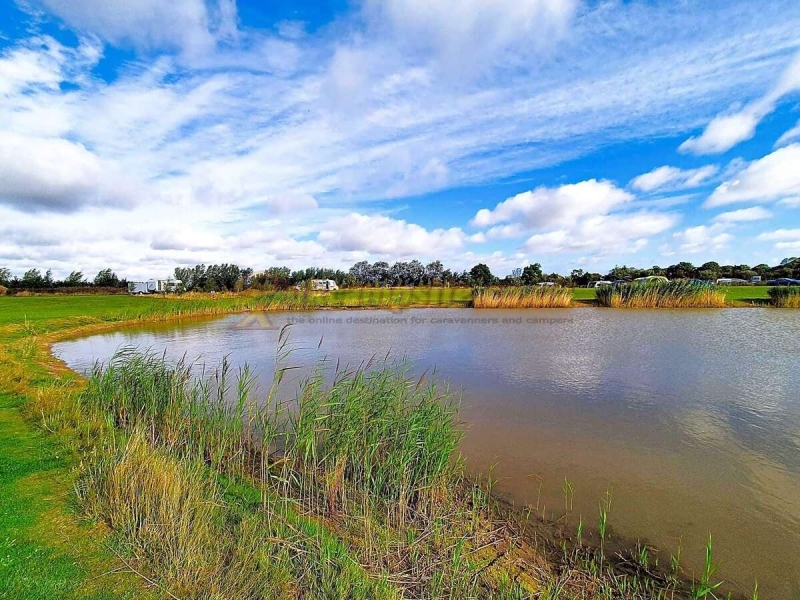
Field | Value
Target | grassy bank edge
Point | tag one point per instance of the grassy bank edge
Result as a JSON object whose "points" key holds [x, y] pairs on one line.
{"points": [[46, 550]]}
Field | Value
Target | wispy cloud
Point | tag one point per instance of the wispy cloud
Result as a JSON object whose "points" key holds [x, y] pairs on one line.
{"points": [[744, 215], [726, 131], [773, 177], [671, 178], [189, 26]]}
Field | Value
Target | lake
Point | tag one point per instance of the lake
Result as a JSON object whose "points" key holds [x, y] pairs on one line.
{"points": [[690, 418]]}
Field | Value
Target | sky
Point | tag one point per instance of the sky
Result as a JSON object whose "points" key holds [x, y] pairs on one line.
{"points": [[586, 134]]}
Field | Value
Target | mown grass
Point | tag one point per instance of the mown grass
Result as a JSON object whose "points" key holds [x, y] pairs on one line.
{"points": [[522, 297], [35, 309], [44, 552], [785, 297], [675, 294]]}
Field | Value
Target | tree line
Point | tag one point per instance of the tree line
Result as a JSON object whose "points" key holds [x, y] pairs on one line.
{"points": [[231, 277], [34, 280]]}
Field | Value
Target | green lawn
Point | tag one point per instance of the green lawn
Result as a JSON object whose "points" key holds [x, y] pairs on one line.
{"points": [[755, 294], [747, 294], [39, 308], [109, 308], [43, 551]]}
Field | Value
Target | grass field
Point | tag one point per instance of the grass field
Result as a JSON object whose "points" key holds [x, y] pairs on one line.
{"points": [[734, 295], [111, 308]]}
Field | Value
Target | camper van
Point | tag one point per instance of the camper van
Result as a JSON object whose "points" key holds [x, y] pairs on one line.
{"points": [[154, 286], [323, 285]]}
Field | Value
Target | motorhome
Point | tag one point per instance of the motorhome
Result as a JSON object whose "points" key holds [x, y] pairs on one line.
{"points": [[323, 285], [154, 286]]}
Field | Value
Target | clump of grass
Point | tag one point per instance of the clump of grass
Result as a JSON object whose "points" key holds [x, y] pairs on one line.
{"points": [[785, 296], [522, 297], [674, 294], [197, 542]]}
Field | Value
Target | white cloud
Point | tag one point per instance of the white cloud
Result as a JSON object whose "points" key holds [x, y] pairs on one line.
{"points": [[505, 232], [773, 177], [185, 238], [54, 174], [703, 238], [793, 202], [186, 25], [386, 236], [477, 32], [672, 178], [744, 215], [723, 133], [780, 235], [604, 235], [726, 131], [576, 217], [553, 207], [291, 203], [784, 239], [790, 136]]}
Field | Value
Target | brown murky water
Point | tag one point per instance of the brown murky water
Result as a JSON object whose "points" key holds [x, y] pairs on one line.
{"points": [[690, 418]]}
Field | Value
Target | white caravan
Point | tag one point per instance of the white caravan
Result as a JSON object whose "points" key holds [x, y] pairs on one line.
{"points": [[323, 285], [154, 286]]}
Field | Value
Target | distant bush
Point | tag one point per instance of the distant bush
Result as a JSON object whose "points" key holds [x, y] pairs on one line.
{"points": [[785, 297]]}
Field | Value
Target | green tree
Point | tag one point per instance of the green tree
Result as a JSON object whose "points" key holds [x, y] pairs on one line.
{"points": [[75, 279], [532, 274], [434, 272], [481, 275], [184, 275], [683, 270], [33, 279], [5, 276], [106, 278]]}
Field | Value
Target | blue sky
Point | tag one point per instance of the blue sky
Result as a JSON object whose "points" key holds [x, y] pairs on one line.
{"points": [[578, 134]]}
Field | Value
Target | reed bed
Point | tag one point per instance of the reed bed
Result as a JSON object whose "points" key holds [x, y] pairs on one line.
{"points": [[383, 435], [675, 294], [522, 297], [785, 296], [351, 487]]}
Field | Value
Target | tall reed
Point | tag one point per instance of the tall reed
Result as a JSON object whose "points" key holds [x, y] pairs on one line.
{"points": [[522, 297], [785, 296], [674, 294]]}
